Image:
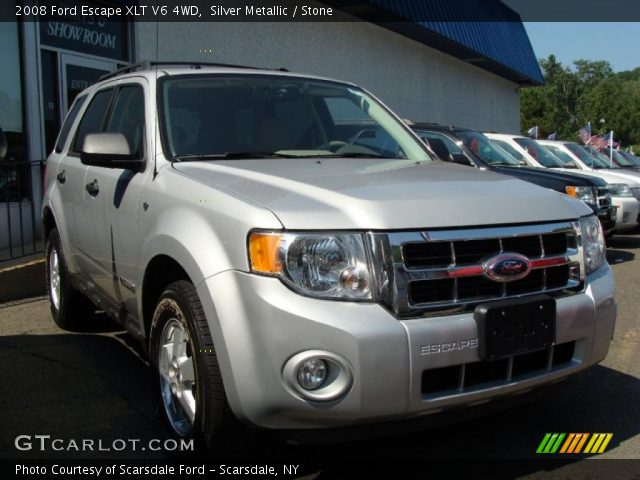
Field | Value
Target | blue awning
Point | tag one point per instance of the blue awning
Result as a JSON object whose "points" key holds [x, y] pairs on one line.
{"points": [[485, 33]]}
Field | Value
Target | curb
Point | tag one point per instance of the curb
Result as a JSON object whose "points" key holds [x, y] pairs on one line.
{"points": [[23, 280]]}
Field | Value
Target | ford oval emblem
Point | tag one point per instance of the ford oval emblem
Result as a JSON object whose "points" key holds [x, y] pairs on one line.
{"points": [[506, 267]]}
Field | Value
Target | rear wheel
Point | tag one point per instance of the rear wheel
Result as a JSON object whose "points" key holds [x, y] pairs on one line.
{"points": [[69, 308], [188, 376]]}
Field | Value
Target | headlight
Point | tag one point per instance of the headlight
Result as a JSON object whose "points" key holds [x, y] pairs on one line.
{"points": [[324, 265], [586, 194], [620, 190], [592, 243]]}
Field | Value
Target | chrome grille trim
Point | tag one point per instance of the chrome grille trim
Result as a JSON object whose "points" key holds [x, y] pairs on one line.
{"points": [[603, 196], [394, 294]]}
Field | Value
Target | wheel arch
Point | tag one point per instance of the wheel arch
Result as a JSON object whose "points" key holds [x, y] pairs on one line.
{"points": [[161, 270], [48, 222]]}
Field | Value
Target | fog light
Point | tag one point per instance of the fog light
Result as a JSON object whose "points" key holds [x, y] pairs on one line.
{"points": [[355, 281], [312, 373]]}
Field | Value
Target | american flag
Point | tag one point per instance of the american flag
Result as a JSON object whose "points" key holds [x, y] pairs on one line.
{"points": [[611, 143], [598, 142], [603, 141], [585, 133]]}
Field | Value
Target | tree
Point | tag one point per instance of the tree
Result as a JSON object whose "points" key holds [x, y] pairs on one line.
{"points": [[553, 106], [587, 92]]}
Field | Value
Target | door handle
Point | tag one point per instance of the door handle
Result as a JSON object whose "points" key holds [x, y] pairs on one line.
{"points": [[62, 177], [93, 187]]}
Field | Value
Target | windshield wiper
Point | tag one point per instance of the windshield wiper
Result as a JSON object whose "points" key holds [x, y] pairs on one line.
{"points": [[353, 155], [232, 156]]}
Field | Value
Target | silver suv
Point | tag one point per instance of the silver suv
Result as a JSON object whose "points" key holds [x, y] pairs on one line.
{"points": [[290, 253]]}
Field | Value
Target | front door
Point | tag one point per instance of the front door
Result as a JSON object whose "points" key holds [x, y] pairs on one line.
{"points": [[112, 204]]}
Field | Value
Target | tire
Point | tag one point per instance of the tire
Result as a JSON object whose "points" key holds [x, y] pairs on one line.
{"points": [[69, 308], [188, 378]]}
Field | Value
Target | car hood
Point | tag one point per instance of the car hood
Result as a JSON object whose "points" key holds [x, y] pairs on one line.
{"points": [[570, 176], [616, 176], [339, 193], [619, 173]]}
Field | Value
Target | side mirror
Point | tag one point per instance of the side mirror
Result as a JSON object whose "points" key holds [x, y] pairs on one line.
{"points": [[3, 145], [109, 150], [461, 159]]}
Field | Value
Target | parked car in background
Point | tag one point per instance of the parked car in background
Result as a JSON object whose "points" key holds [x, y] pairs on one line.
{"points": [[624, 191], [527, 150], [630, 157], [470, 147], [622, 161]]}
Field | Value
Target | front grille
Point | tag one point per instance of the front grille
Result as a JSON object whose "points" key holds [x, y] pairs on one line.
{"points": [[441, 270], [475, 376], [604, 198]]}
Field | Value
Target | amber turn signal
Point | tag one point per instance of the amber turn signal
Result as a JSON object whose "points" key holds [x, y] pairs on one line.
{"points": [[263, 252]]}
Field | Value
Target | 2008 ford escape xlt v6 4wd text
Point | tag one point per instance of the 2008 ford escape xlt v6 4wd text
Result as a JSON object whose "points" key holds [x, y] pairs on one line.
{"points": [[290, 253]]}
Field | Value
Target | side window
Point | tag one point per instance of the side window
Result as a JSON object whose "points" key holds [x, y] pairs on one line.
{"points": [[127, 117], [93, 118], [66, 127], [509, 149], [441, 145]]}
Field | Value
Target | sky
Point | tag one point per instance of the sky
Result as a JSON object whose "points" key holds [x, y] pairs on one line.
{"points": [[615, 42]]}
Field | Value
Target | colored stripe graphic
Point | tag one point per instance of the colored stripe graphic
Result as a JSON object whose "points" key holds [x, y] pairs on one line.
{"points": [[550, 443], [574, 443], [567, 443], [543, 443], [581, 443], [598, 443]]}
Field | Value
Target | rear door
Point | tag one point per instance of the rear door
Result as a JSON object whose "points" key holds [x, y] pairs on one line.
{"points": [[69, 175]]}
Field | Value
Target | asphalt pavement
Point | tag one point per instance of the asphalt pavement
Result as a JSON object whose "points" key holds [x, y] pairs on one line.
{"points": [[96, 384]]}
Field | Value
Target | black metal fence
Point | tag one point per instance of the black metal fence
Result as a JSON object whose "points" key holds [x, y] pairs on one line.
{"points": [[19, 203]]}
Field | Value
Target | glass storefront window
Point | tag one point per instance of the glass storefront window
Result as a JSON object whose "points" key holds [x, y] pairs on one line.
{"points": [[11, 90]]}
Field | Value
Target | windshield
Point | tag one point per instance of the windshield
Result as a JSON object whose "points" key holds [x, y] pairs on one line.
{"points": [[604, 159], [586, 156], [619, 159], [631, 158], [540, 154], [510, 150], [255, 116], [486, 149], [563, 156]]}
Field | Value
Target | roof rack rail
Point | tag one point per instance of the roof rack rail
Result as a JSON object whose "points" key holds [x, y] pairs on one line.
{"points": [[147, 65], [144, 65]]}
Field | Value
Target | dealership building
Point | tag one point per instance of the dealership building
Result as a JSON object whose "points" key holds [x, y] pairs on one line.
{"points": [[463, 73]]}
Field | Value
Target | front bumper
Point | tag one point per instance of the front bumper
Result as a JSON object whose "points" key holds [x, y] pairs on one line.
{"points": [[608, 218], [626, 214], [258, 325]]}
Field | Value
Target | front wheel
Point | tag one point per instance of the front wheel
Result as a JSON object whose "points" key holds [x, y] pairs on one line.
{"points": [[188, 376]]}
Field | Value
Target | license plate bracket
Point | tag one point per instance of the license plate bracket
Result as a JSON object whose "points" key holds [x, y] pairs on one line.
{"points": [[512, 327]]}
